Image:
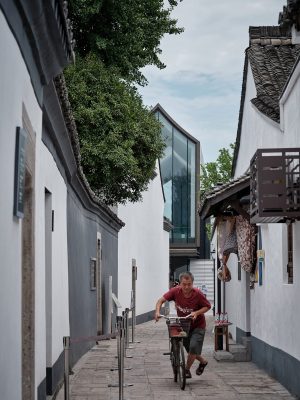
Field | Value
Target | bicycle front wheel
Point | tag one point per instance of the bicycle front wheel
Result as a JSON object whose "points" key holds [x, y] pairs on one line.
{"points": [[173, 358], [181, 365]]}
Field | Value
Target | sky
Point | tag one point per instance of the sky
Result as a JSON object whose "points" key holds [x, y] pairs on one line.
{"points": [[201, 86]]}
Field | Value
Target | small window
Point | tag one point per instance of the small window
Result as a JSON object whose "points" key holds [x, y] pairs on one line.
{"points": [[290, 252], [93, 273]]}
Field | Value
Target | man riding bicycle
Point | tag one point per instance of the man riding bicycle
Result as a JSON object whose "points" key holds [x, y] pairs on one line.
{"points": [[189, 301]]}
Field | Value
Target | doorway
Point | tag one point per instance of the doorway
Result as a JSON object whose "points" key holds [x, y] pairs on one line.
{"points": [[48, 288], [28, 291]]}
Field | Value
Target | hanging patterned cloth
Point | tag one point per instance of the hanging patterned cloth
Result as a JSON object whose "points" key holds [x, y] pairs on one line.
{"points": [[245, 233], [227, 241], [227, 244]]}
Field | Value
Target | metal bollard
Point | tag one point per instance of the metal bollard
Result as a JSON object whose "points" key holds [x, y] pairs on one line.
{"points": [[124, 326], [66, 342], [127, 329], [121, 375], [133, 301], [121, 355], [119, 322], [118, 329]]}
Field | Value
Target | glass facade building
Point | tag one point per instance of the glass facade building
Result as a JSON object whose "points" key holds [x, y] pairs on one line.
{"points": [[180, 178]]}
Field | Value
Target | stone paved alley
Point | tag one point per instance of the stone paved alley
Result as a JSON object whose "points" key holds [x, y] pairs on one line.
{"points": [[152, 376]]}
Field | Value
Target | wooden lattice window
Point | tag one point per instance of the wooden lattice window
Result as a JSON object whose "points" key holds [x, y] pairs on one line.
{"points": [[93, 273]]}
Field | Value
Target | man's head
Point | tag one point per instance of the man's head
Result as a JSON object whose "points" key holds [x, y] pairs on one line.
{"points": [[186, 280]]}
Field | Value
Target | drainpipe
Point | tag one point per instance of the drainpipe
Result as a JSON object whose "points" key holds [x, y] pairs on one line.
{"points": [[219, 289]]}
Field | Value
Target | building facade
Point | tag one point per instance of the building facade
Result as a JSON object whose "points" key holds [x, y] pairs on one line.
{"points": [[145, 239], [51, 223], [180, 170], [262, 302]]}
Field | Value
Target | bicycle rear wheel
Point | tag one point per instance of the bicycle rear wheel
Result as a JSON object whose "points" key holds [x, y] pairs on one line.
{"points": [[173, 358], [181, 365]]}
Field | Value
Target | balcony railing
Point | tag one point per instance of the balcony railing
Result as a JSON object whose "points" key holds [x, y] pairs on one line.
{"points": [[275, 185]]}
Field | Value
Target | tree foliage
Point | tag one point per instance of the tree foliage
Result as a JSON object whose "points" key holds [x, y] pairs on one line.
{"points": [[218, 171], [123, 34], [120, 139]]}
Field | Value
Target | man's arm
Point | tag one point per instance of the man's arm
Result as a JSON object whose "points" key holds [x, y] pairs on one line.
{"points": [[204, 304], [159, 303], [202, 310]]}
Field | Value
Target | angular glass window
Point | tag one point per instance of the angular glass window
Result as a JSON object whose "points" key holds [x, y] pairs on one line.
{"points": [[166, 165], [178, 170], [180, 188], [191, 191]]}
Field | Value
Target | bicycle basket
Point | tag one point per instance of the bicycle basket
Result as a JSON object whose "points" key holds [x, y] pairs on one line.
{"points": [[179, 328]]}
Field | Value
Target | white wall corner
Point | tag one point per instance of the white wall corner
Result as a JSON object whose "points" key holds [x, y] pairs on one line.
{"points": [[267, 119]]}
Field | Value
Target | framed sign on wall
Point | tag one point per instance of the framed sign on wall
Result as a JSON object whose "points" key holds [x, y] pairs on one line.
{"points": [[20, 154]]}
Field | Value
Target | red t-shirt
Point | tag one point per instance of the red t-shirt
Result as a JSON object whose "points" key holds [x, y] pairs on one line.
{"points": [[185, 305]]}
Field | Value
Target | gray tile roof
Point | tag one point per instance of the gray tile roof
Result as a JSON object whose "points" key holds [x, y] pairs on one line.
{"points": [[271, 66], [222, 192], [272, 57], [290, 14]]}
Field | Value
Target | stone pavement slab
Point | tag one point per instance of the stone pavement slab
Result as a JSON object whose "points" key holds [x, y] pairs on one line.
{"points": [[152, 378]]}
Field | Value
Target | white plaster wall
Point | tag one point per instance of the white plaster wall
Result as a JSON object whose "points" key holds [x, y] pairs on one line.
{"points": [[144, 239], [275, 304], [15, 88], [290, 115], [234, 304], [258, 131], [48, 176]]}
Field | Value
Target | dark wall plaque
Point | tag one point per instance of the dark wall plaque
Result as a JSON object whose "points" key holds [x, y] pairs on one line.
{"points": [[21, 137]]}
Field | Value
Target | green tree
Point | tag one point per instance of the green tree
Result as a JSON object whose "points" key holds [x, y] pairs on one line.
{"points": [[120, 139], [218, 171], [215, 172], [123, 34]]}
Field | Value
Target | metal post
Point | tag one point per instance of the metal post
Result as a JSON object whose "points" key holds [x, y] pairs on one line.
{"points": [[122, 366], [214, 309], [224, 297], [118, 329], [66, 342], [126, 335], [127, 328], [121, 379], [110, 305], [133, 300], [219, 292], [119, 322], [118, 326]]}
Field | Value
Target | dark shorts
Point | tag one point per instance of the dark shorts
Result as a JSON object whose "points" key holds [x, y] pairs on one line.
{"points": [[194, 343]]}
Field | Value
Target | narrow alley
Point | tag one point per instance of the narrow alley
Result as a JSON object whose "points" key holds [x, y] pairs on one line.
{"points": [[151, 373]]}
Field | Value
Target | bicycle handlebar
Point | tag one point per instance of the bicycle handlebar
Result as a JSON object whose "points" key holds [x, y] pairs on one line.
{"points": [[174, 317]]}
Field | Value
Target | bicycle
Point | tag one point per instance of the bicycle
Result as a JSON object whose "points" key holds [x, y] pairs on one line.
{"points": [[178, 328]]}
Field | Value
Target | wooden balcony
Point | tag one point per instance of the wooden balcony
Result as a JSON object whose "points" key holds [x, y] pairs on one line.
{"points": [[275, 185]]}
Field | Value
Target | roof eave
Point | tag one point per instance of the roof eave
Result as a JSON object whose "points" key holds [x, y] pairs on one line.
{"points": [[213, 205]]}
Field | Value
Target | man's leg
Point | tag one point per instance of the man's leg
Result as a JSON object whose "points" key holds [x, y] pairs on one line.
{"points": [[190, 359], [195, 348], [201, 359]]}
